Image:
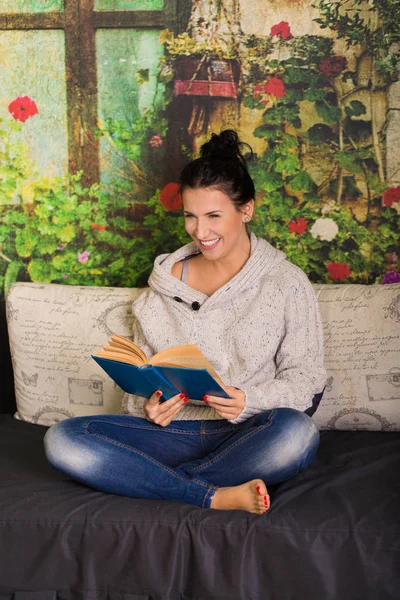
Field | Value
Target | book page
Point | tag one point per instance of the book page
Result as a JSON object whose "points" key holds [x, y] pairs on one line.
{"points": [[187, 357]]}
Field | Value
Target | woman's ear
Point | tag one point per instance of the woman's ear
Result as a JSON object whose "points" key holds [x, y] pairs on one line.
{"points": [[248, 210]]}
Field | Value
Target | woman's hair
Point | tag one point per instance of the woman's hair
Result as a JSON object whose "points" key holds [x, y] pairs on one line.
{"points": [[222, 166]]}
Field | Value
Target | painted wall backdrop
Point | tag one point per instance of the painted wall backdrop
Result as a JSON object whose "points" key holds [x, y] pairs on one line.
{"points": [[103, 101]]}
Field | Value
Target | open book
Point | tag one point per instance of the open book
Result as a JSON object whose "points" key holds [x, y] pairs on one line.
{"points": [[181, 369]]}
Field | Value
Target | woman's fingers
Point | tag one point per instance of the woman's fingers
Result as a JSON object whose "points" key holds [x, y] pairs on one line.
{"points": [[162, 413]]}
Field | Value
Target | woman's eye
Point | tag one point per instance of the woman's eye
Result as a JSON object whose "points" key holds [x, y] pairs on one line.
{"points": [[213, 216]]}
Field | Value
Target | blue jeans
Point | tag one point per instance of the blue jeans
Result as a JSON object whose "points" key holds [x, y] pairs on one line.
{"points": [[187, 460]]}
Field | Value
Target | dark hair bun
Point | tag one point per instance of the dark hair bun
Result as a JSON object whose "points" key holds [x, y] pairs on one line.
{"points": [[225, 145]]}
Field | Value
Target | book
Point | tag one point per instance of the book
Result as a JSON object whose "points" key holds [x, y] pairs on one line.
{"points": [[181, 369]]}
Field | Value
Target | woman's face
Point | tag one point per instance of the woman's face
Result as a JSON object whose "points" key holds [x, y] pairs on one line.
{"points": [[213, 221]]}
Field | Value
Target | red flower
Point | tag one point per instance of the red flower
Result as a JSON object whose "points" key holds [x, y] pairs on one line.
{"points": [[391, 195], [275, 87], [282, 30], [22, 108], [332, 66], [99, 227], [298, 226], [338, 271], [171, 197]]}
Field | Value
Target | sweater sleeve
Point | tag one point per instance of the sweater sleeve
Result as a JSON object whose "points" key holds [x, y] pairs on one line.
{"points": [[299, 360]]}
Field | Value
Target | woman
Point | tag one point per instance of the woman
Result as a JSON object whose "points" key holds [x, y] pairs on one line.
{"points": [[255, 317]]}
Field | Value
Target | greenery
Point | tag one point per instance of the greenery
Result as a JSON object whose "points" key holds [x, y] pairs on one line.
{"points": [[315, 224]]}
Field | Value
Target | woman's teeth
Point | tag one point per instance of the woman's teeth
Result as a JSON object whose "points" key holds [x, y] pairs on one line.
{"points": [[210, 243]]}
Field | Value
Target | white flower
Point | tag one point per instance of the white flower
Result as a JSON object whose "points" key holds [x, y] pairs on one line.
{"points": [[324, 229]]}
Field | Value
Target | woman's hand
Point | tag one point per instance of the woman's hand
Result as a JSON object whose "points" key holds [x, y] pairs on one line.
{"points": [[228, 408], [162, 413]]}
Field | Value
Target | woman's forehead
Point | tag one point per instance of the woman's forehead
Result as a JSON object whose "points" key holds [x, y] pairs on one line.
{"points": [[205, 199]]}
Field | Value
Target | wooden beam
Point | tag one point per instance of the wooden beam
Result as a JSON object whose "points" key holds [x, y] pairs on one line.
{"points": [[131, 20], [73, 84], [20, 21], [88, 83]]}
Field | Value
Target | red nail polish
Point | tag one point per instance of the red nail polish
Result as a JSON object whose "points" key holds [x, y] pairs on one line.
{"points": [[182, 396], [205, 398], [258, 489], [265, 498], [158, 393], [186, 399]]}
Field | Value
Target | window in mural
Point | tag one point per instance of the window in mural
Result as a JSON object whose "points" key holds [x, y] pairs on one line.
{"points": [[30, 6], [128, 61], [33, 88]]}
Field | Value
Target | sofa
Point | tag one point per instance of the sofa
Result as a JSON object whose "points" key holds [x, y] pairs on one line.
{"points": [[332, 532]]}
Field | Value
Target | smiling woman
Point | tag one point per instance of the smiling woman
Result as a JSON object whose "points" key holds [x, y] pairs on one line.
{"points": [[255, 317]]}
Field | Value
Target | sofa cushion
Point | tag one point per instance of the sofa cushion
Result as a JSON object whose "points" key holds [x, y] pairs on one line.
{"points": [[362, 356], [53, 330]]}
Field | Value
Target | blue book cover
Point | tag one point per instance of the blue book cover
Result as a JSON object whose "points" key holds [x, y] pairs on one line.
{"points": [[146, 379]]}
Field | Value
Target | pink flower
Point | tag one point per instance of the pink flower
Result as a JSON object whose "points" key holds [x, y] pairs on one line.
{"points": [[298, 225], [332, 66], [282, 30], [83, 256], [61, 246], [65, 275], [22, 108], [171, 197], [156, 141], [338, 271], [275, 87], [391, 196]]}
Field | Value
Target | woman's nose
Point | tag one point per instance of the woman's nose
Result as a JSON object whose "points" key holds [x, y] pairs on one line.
{"points": [[202, 230]]}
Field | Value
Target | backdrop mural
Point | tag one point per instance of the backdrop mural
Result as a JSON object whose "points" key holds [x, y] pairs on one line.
{"points": [[98, 113]]}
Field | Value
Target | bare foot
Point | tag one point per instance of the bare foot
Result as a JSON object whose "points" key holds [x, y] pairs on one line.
{"points": [[251, 496]]}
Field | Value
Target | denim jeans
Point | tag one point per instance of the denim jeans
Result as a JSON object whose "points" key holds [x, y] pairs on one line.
{"points": [[185, 461]]}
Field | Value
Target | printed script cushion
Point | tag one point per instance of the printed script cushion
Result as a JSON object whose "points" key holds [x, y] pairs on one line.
{"points": [[53, 330], [362, 356]]}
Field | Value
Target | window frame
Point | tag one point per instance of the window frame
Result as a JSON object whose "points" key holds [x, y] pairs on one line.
{"points": [[79, 20]]}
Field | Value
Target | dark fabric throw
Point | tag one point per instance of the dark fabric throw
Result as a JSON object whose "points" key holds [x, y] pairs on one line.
{"points": [[332, 533]]}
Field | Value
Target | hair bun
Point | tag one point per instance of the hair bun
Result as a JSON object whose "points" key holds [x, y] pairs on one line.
{"points": [[225, 145]]}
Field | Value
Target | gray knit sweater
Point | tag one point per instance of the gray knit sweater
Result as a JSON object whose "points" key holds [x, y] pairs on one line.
{"points": [[261, 331]]}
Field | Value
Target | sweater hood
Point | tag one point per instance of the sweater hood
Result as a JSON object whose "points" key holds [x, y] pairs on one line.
{"points": [[263, 259]]}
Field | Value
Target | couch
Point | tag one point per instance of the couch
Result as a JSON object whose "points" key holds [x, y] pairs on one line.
{"points": [[332, 532]]}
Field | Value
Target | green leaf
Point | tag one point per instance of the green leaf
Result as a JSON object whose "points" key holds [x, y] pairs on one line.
{"points": [[267, 131], [288, 164], [41, 271], [302, 182], [348, 161], [327, 112], [11, 275], [117, 265], [320, 134], [272, 181], [355, 109], [24, 243]]}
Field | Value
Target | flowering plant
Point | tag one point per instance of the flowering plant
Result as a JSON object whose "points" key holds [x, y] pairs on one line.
{"points": [[315, 222]]}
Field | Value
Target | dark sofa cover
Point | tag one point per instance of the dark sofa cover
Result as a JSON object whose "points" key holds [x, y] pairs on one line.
{"points": [[332, 533]]}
